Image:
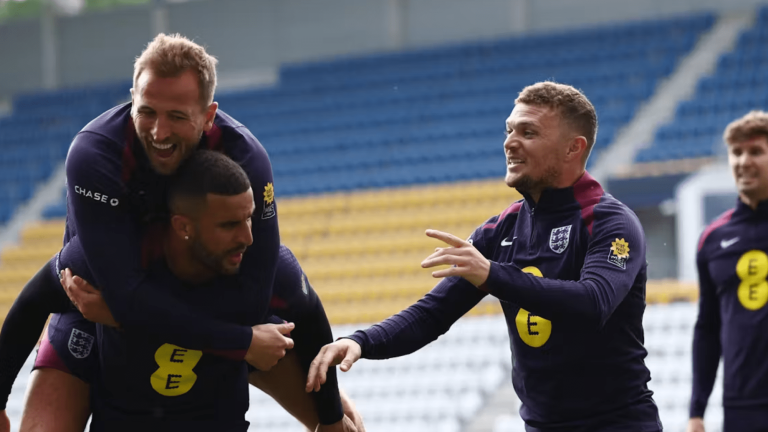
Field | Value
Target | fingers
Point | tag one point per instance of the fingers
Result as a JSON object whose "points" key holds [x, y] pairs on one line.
{"points": [[453, 271], [313, 369], [285, 328], [319, 367], [288, 343], [348, 361], [446, 237], [444, 260]]}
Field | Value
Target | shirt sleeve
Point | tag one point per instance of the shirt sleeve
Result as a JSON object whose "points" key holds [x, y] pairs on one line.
{"points": [[615, 255], [423, 322], [260, 260], [111, 242], [295, 301], [706, 341]]}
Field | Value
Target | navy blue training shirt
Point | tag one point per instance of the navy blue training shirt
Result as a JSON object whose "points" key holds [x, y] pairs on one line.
{"points": [[142, 382], [570, 272], [112, 192], [733, 318]]}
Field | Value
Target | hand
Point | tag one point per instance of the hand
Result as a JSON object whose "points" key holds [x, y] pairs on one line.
{"points": [[268, 345], [465, 259], [344, 351], [695, 424], [350, 410], [343, 425], [5, 423], [87, 299]]}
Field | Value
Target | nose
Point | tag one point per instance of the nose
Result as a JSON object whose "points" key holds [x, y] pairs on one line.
{"points": [[510, 143], [161, 130], [244, 235]]}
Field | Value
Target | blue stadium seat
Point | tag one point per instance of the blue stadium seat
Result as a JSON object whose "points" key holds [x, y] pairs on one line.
{"points": [[739, 84], [427, 115]]}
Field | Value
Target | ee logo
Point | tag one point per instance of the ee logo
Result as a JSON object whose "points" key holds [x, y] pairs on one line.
{"points": [[752, 269], [534, 330], [175, 376]]}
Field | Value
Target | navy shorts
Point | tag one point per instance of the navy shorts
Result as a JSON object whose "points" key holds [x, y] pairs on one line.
{"points": [[69, 345], [747, 419]]}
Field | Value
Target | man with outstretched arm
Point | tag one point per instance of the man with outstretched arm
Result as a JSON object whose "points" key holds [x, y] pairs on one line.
{"points": [[568, 265]]}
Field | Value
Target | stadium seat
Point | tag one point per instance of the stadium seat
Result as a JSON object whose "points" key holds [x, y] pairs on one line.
{"points": [[737, 86]]}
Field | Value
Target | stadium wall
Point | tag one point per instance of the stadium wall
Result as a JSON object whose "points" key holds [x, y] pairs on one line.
{"points": [[250, 36]]}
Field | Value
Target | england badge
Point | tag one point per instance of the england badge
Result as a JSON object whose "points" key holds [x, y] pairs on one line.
{"points": [[558, 239], [80, 343]]}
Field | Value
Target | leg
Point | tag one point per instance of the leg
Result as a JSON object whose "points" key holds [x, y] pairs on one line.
{"points": [[285, 384], [58, 393], [25, 322], [56, 402]]}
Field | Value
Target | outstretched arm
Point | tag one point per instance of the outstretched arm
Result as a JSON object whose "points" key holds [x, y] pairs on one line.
{"points": [[615, 256]]}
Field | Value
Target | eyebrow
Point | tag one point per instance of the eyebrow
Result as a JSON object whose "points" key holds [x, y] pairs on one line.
{"points": [[177, 112], [522, 124]]}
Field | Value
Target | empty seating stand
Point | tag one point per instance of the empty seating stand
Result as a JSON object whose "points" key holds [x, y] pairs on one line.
{"points": [[738, 85]]}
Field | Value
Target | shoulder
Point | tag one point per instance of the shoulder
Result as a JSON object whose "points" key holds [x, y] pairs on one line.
{"points": [[611, 213], [509, 214], [236, 140], [720, 221], [99, 147], [105, 133]]}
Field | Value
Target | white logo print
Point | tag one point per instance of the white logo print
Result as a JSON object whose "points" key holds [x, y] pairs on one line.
{"points": [[558, 239], [504, 242], [725, 243], [80, 343]]}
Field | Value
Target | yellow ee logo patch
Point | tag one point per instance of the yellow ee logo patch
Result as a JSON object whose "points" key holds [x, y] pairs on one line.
{"points": [[533, 330], [752, 269], [175, 376]]}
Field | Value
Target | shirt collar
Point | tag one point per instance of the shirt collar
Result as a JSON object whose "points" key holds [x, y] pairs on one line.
{"points": [[557, 199], [745, 210]]}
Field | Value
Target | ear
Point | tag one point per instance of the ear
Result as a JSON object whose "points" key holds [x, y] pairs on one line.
{"points": [[577, 148], [182, 226], [210, 114]]}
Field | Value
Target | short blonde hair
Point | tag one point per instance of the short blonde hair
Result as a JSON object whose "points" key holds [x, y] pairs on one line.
{"points": [[171, 55], [572, 105], [754, 124]]}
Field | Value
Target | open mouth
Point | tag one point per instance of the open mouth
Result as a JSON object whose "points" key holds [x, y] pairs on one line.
{"points": [[164, 151], [512, 162], [236, 258]]}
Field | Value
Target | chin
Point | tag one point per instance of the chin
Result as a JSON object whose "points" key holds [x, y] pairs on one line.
{"points": [[229, 271]]}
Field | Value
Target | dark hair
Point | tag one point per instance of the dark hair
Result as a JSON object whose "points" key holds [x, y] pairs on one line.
{"points": [[207, 172]]}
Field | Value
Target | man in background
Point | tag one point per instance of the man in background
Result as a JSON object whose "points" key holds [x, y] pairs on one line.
{"points": [[732, 264]]}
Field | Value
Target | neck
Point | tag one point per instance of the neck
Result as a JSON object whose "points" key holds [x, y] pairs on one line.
{"points": [[565, 180], [751, 202], [182, 263]]}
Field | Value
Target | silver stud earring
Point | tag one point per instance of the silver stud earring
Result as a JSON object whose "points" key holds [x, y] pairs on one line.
{"points": [[186, 237]]}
